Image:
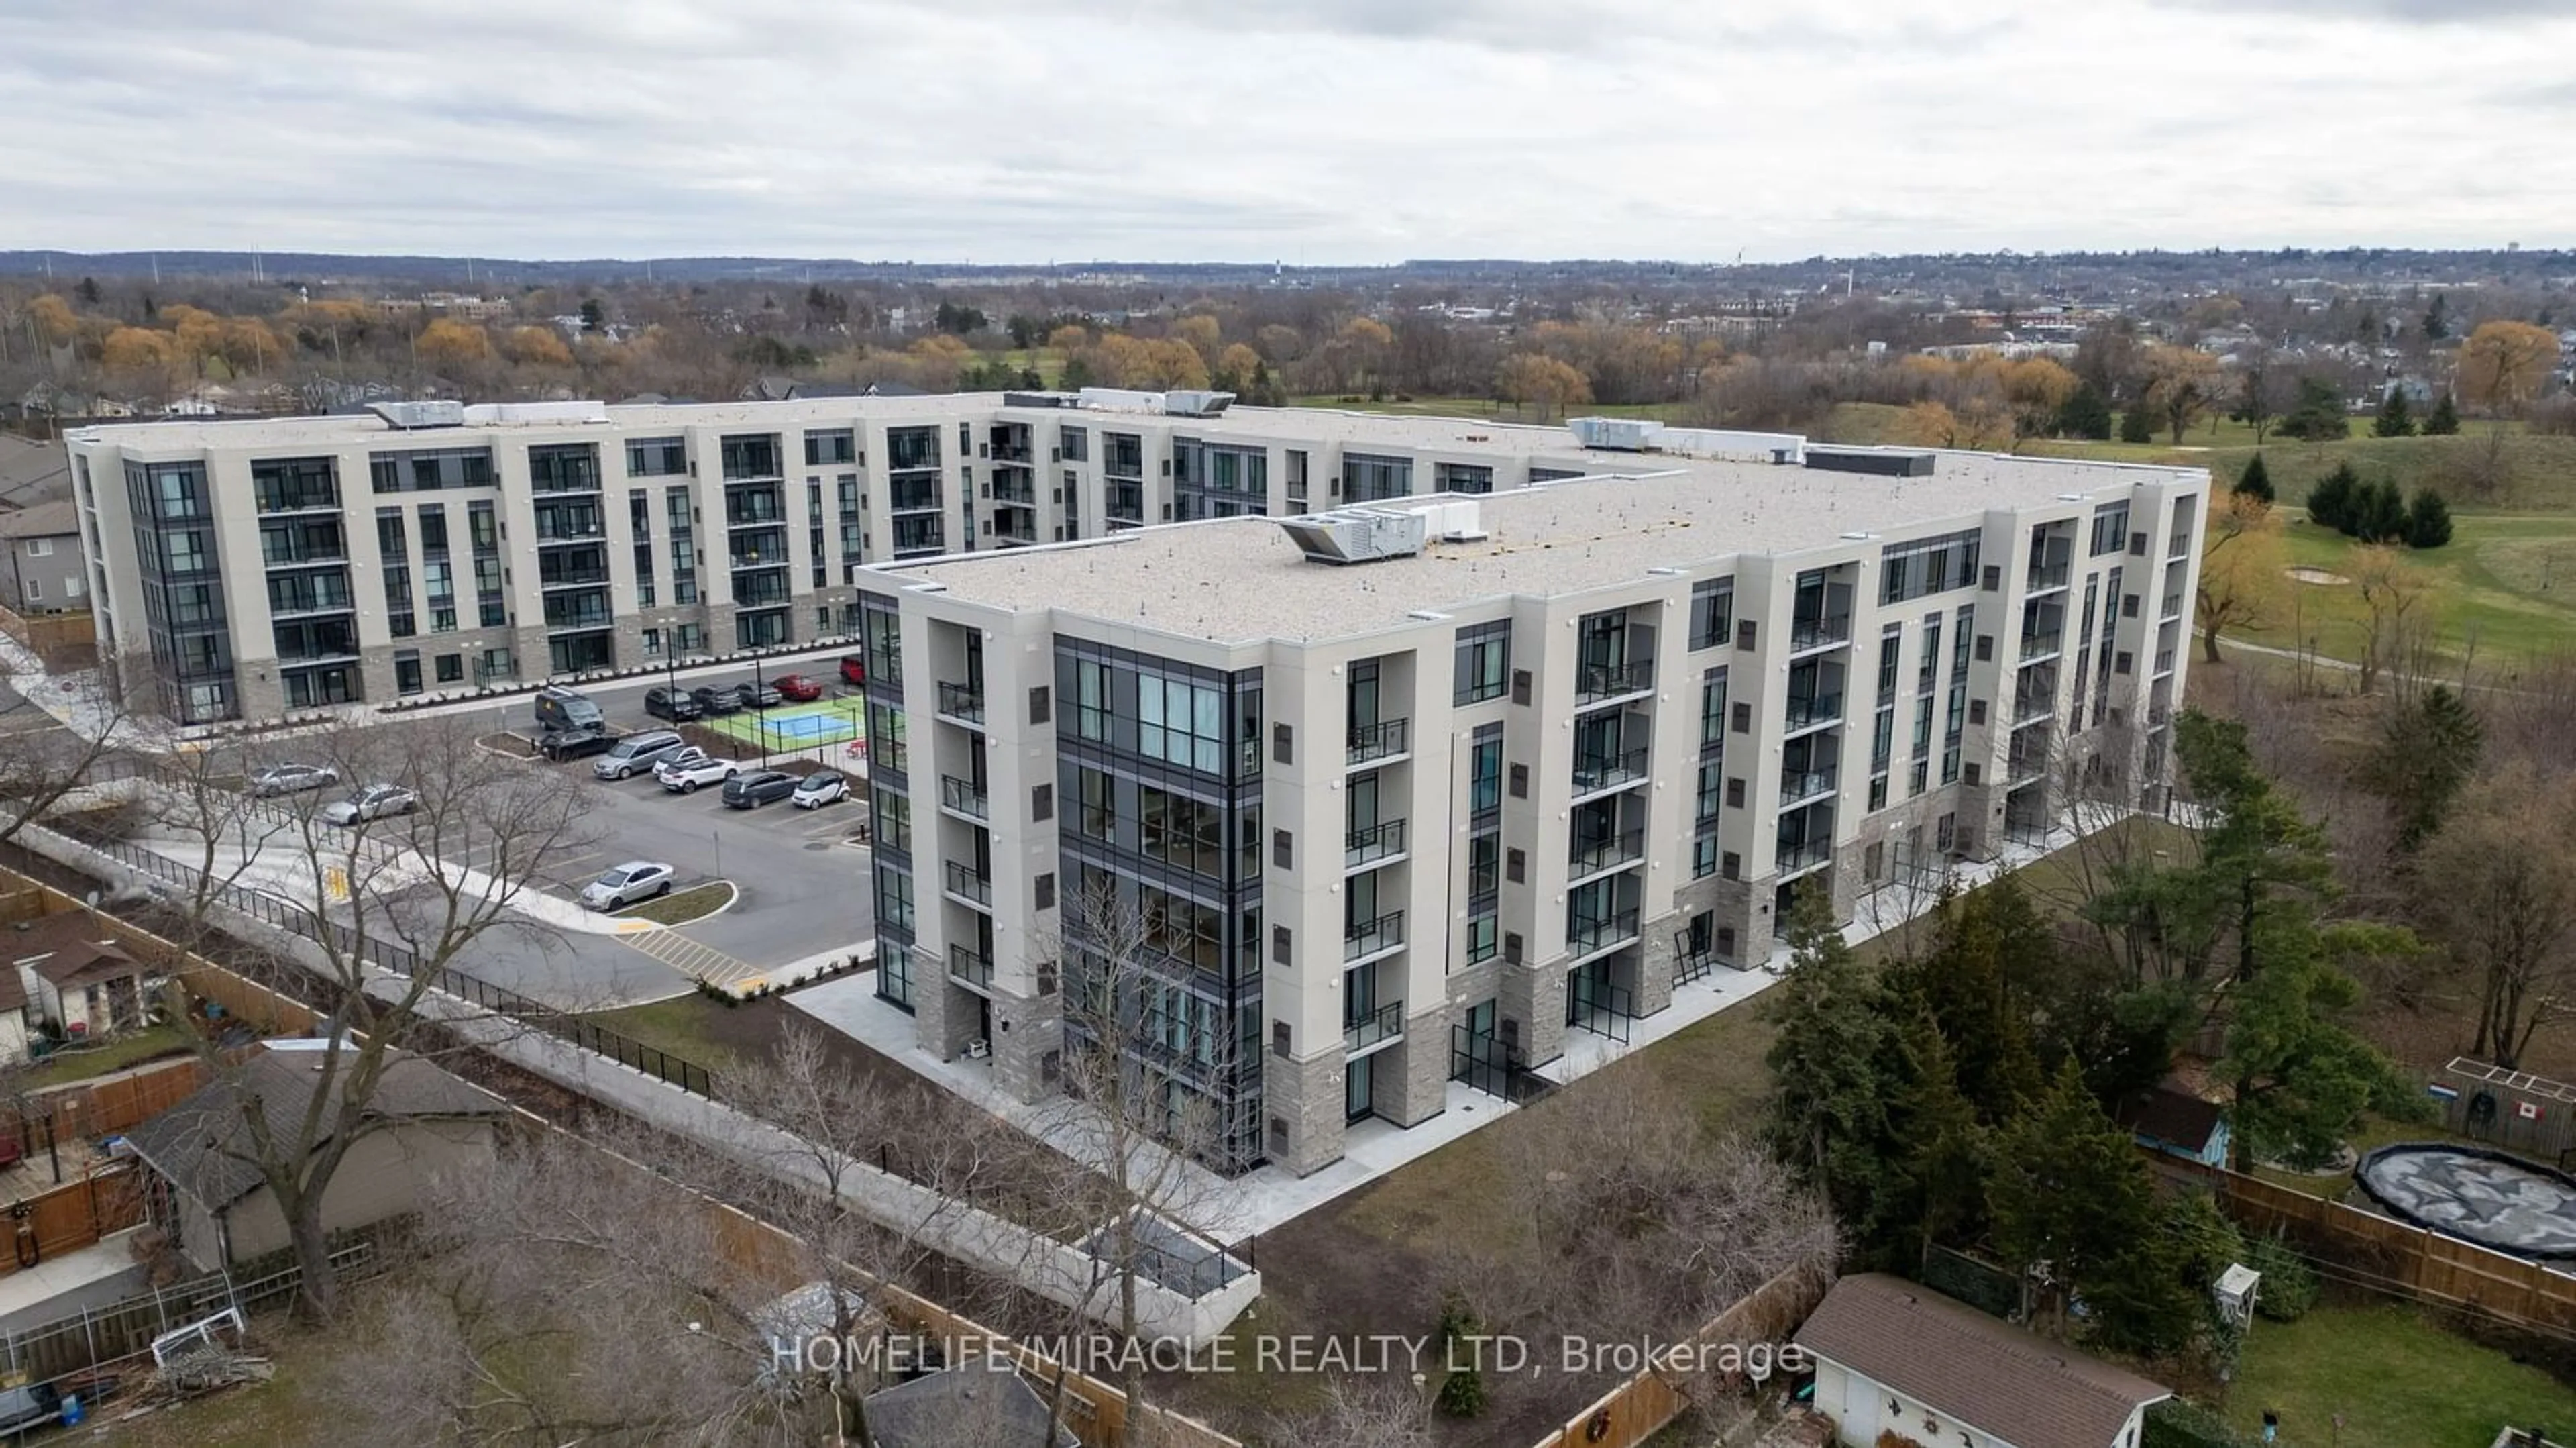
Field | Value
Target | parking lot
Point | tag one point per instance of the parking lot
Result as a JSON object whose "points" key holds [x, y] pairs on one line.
{"points": [[802, 874]]}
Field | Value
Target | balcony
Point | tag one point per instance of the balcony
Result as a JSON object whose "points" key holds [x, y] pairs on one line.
{"points": [[2164, 662], [1594, 773], [961, 702], [572, 618], [1798, 787], [1691, 965], [1010, 453], [1798, 859], [1373, 937], [570, 530], [1596, 682], [1582, 859], [972, 969], [1829, 631], [2025, 766], [1381, 1026], [915, 500], [1591, 937], [2033, 708], [2045, 577], [963, 796], [1384, 739], [1023, 493], [966, 884], [2041, 647], [1381, 841], [2173, 606], [1814, 711], [572, 577]]}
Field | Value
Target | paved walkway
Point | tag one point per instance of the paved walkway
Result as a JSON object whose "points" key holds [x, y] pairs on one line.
{"points": [[62, 1286]]}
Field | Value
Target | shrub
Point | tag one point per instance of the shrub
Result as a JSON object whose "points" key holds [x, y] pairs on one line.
{"points": [[2136, 425], [2428, 520], [2289, 1286], [2445, 418], [2175, 1423], [2257, 481], [2332, 500]]}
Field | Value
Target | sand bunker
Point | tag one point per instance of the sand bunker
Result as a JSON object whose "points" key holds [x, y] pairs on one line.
{"points": [[2316, 576]]}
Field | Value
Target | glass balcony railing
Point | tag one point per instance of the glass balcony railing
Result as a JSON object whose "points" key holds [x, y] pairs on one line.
{"points": [[1382, 740], [1594, 772], [1799, 786], [1021, 492], [962, 701], [964, 796], [1594, 682], [1588, 936], [1822, 632], [965, 884], [2038, 646], [970, 967], [2031, 708], [1369, 937], [1794, 858], [1591, 857], [1381, 841], [1815, 710], [2045, 577], [1384, 1024]]}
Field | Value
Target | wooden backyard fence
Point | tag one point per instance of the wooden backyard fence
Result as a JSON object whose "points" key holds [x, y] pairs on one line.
{"points": [[62, 640], [1645, 1404], [2409, 1260], [74, 1215]]}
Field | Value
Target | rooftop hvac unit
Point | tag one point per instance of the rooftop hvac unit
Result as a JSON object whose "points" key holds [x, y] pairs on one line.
{"points": [[1196, 404], [1620, 434], [405, 416], [1357, 535]]}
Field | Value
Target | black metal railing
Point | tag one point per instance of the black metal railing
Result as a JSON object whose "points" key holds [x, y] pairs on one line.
{"points": [[1608, 771], [970, 967], [1814, 709], [1799, 786], [1588, 935], [2043, 577], [967, 884], [1691, 965], [1793, 858], [2037, 646], [1368, 937], [398, 959], [1386, 1023], [1596, 856], [1380, 740], [962, 701], [1379, 841], [1611, 681], [1821, 632], [1601, 1008], [964, 796]]}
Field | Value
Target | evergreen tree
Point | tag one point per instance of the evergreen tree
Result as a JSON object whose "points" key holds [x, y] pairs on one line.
{"points": [[2332, 501], [2256, 481], [2394, 419], [1076, 375], [2069, 1189], [2379, 513], [1937, 1193], [2137, 424], [2085, 414], [1960, 986], [2426, 753], [2445, 419], [2318, 415], [2428, 520], [2437, 319], [1828, 1114]]}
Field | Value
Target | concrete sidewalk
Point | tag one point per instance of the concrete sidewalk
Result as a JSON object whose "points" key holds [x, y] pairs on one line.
{"points": [[60, 1287]]}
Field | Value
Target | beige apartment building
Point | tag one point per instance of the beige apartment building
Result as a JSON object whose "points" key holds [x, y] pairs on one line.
{"points": [[1509, 739]]}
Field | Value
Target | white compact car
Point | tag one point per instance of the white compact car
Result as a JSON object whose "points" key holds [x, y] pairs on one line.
{"points": [[822, 787], [626, 884]]}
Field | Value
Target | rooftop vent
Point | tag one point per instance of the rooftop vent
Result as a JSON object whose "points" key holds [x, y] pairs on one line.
{"points": [[1358, 535], [1196, 404], [405, 416], [1620, 434], [1881, 462]]}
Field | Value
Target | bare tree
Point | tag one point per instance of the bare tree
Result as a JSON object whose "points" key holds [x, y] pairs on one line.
{"points": [[391, 903], [42, 762], [1377, 1410], [2391, 590], [2498, 886]]}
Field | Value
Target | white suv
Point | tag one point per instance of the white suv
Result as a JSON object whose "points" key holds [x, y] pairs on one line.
{"points": [[683, 772]]}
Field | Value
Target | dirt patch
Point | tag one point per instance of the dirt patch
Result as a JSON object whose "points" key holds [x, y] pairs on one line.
{"points": [[2319, 577]]}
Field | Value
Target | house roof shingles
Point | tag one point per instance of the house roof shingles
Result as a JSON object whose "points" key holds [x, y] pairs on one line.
{"points": [[1992, 1376], [52, 519], [66, 949], [189, 1143]]}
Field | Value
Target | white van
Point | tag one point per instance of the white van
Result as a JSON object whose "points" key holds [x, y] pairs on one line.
{"points": [[636, 754]]}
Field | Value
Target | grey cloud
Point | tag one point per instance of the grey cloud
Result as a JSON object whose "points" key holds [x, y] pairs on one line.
{"points": [[2408, 12]]}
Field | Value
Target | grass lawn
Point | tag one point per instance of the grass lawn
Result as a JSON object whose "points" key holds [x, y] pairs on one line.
{"points": [[682, 906], [2508, 580], [130, 1049], [2398, 1381], [1486, 407], [2539, 473], [688, 1027], [284, 1412]]}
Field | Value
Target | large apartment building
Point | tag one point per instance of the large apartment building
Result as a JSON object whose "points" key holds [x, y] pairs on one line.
{"points": [[1412, 790], [248, 569]]}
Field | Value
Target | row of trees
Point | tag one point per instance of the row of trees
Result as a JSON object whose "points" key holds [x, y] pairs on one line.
{"points": [[1961, 1096], [2373, 512]]}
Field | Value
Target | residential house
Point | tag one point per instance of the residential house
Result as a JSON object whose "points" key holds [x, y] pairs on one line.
{"points": [[977, 1403], [2173, 1121], [45, 571], [205, 1187], [69, 975], [1899, 1364], [32, 472]]}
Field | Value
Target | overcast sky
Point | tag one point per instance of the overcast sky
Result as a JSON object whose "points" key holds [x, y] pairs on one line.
{"points": [[1300, 130]]}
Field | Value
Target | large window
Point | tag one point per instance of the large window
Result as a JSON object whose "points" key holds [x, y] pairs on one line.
{"points": [[1180, 723], [911, 447], [1484, 661], [1091, 699], [1928, 565], [1367, 477], [1181, 831], [656, 457], [1712, 619], [431, 469], [2110, 529], [1462, 477], [751, 455], [827, 449]]}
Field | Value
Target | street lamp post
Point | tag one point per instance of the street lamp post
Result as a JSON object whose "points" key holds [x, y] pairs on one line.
{"points": [[759, 709]]}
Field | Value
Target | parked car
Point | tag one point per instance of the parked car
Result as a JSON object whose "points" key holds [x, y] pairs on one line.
{"points": [[637, 753], [371, 803], [751, 791], [854, 669], [562, 744], [280, 779], [683, 772], [25, 1407], [802, 688], [624, 885], [677, 705], [822, 787], [758, 694], [560, 708], [720, 698]]}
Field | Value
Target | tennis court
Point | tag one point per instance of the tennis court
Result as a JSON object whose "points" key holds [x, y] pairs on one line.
{"points": [[793, 726]]}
